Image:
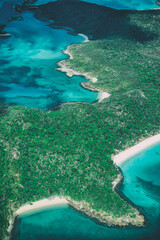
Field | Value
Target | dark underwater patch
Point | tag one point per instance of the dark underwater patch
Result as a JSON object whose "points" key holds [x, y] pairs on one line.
{"points": [[95, 21], [152, 189]]}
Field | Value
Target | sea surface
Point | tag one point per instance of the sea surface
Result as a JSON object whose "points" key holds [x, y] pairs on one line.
{"points": [[141, 186], [116, 4], [28, 58]]}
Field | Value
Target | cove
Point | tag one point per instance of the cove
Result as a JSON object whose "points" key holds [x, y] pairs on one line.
{"points": [[28, 66], [141, 186]]}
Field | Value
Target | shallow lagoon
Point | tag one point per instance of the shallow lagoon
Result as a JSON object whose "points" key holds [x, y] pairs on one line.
{"points": [[28, 66], [28, 62], [141, 185]]}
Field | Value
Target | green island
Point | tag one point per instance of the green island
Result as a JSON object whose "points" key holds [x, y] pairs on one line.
{"points": [[68, 151]]}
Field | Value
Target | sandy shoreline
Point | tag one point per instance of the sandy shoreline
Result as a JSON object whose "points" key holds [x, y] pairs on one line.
{"points": [[84, 36], [41, 204], [35, 206], [84, 207], [125, 155]]}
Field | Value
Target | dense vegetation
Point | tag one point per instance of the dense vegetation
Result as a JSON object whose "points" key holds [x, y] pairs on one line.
{"points": [[67, 152], [122, 65]]}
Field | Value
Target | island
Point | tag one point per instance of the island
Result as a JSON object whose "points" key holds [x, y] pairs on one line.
{"points": [[67, 152]]}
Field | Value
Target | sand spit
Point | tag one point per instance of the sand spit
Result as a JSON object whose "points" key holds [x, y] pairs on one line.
{"points": [[84, 36]]}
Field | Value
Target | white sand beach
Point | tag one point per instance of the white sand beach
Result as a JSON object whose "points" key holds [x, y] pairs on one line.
{"points": [[125, 155], [103, 95], [67, 52], [84, 36], [44, 203]]}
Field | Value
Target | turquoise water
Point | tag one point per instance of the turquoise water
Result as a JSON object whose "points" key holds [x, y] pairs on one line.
{"points": [[142, 179], [126, 4], [117, 4], [28, 58], [141, 185]]}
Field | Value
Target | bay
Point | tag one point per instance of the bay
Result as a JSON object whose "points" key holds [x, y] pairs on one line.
{"points": [[141, 186], [28, 66]]}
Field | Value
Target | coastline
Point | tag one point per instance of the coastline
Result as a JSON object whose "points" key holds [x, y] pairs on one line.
{"points": [[90, 212], [104, 217], [81, 206], [84, 36], [132, 151], [41, 204], [101, 216], [33, 207], [62, 67], [125, 155], [107, 218]]}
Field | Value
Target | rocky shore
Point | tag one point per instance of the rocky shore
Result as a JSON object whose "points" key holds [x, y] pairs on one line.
{"points": [[63, 67], [107, 218]]}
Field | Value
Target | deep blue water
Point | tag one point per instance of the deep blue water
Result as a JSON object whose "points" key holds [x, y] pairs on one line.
{"points": [[7, 9], [141, 185]]}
